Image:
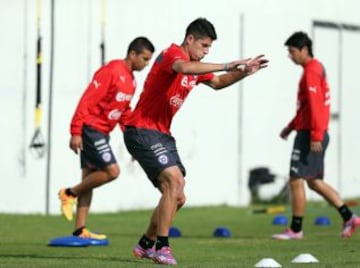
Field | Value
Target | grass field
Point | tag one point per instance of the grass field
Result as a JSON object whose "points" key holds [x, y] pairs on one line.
{"points": [[24, 238]]}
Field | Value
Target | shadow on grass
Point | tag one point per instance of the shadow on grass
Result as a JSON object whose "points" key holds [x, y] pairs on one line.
{"points": [[69, 257]]}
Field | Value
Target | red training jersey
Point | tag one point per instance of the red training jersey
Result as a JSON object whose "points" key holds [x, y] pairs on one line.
{"points": [[164, 92], [313, 101], [106, 101]]}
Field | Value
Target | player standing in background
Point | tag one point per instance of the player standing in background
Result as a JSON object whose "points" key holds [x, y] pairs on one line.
{"points": [[311, 123], [104, 104], [147, 134]]}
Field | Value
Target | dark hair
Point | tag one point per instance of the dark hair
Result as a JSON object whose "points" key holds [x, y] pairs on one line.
{"points": [[200, 28], [139, 44], [300, 40]]}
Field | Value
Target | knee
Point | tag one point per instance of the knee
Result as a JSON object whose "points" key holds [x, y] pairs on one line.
{"points": [[175, 186], [296, 184], [178, 185], [312, 185], [174, 183], [113, 172], [181, 201]]}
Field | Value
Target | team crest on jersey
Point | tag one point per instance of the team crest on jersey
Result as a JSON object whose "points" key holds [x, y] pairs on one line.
{"points": [[114, 114], [163, 159]]}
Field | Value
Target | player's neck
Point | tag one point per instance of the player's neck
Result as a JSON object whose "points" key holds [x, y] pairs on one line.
{"points": [[306, 60], [128, 64], [185, 50]]}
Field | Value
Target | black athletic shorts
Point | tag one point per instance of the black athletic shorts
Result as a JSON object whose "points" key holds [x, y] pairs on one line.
{"points": [[305, 163], [97, 152], [154, 151]]}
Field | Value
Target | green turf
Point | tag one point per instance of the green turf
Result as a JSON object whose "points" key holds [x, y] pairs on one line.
{"points": [[24, 238]]}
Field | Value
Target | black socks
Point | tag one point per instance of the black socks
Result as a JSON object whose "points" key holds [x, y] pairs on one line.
{"points": [[69, 192], [78, 231], [146, 242], [345, 212], [162, 241], [296, 224]]}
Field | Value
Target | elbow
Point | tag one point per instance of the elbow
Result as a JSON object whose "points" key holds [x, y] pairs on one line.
{"points": [[217, 86], [182, 69]]}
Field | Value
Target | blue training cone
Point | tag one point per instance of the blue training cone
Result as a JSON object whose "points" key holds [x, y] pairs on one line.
{"points": [[222, 232], [98, 242], [75, 241], [280, 220], [174, 232], [69, 241], [322, 220]]}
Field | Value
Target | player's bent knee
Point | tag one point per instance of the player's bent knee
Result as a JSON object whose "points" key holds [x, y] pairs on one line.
{"points": [[313, 184], [113, 172], [181, 202]]}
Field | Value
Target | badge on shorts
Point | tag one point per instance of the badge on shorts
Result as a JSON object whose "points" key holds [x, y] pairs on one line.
{"points": [[295, 156], [163, 159], [106, 157]]}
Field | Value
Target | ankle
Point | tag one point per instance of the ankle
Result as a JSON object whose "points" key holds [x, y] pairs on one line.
{"points": [[78, 231], [162, 241], [69, 192]]}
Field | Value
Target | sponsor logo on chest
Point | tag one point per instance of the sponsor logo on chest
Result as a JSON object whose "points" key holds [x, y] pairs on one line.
{"points": [[121, 96], [186, 83]]}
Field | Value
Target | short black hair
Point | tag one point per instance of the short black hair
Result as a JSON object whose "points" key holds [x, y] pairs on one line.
{"points": [[200, 28], [139, 44], [300, 40]]}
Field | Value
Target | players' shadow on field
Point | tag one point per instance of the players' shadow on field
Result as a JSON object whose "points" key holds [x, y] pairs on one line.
{"points": [[63, 257]]}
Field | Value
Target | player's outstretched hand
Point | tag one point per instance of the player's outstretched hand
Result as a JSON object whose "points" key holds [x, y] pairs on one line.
{"points": [[236, 64], [252, 65]]}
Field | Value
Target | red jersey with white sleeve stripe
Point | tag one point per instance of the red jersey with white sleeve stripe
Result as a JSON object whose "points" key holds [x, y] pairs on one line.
{"points": [[313, 101], [164, 92], [106, 101]]}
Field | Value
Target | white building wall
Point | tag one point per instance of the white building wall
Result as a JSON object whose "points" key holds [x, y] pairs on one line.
{"points": [[216, 152]]}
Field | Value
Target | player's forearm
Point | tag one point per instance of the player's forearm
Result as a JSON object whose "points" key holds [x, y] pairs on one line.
{"points": [[230, 78], [198, 67]]}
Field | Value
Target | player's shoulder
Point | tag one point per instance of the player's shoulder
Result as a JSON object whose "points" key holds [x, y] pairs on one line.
{"points": [[115, 67], [315, 66], [170, 54], [172, 50], [114, 64]]}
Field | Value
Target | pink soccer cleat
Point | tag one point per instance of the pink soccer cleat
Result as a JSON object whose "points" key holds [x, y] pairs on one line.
{"points": [[164, 256], [350, 226], [142, 253], [289, 234]]}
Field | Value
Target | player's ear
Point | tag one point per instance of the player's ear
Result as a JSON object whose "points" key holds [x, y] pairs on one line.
{"points": [[132, 54], [189, 39], [305, 49]]}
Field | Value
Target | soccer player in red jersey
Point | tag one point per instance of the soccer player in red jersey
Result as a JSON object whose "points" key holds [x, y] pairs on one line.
{"points": [[147, 135], [104, 104], [311, 123]]}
